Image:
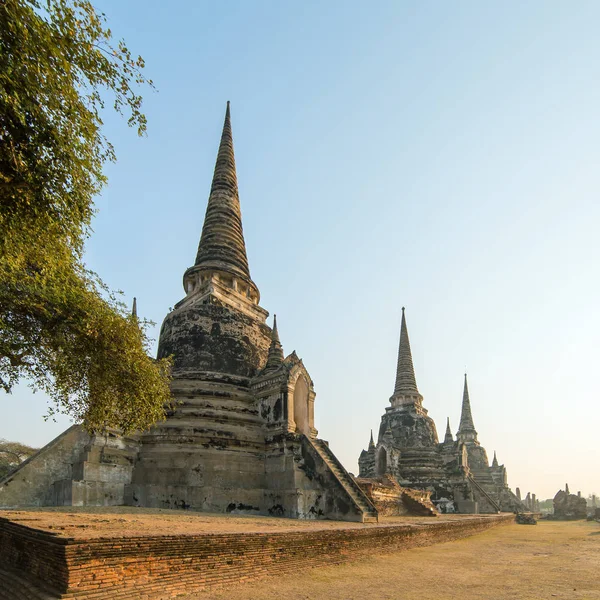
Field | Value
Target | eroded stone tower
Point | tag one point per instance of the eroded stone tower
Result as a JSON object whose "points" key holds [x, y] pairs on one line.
{"points": [[456, 472], [241, 437]]}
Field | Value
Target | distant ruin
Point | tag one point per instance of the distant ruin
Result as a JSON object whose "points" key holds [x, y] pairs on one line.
{"points": [[569, 506], [457, 472]]}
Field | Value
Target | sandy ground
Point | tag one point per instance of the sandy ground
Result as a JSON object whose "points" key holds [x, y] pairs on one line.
{"points": [[515, 562], [86, 523]]}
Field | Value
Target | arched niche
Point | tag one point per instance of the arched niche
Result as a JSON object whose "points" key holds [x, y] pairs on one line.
{"points": [[301, 409], [381, 462]]}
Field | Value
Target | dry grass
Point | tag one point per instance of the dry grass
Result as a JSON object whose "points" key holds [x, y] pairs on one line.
{"points": [[516, 562]]}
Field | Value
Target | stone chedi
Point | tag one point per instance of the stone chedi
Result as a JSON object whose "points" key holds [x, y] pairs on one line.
{"points": [[241, 437], [569, 506], [456, 472]]}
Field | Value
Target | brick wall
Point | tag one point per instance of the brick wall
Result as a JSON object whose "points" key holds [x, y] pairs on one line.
{"points": [[34, 552], [162, 567]]}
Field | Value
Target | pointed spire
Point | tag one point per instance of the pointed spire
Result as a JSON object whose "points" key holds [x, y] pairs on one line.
{"points": [[134, 309], [406, 382], [448, 439], [495, 461], [275, 356], [274, 332], [222, 243], [466, 418], [371, 442]]}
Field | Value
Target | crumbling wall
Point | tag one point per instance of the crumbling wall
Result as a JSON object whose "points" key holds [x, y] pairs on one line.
{"points": [[74, 469], [391, 499], [32, 483], [385, 494], [101, 473], [569, 506]]}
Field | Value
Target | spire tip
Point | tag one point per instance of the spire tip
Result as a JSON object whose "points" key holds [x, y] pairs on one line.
{"points": [[405, 372], [222, 245]]}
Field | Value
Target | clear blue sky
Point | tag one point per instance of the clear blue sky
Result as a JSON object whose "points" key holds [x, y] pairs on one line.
{"points": [[443, 156]]}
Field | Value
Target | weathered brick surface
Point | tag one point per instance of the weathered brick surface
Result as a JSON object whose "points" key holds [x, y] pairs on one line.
{"points": [[166, 566], [35, 552]]}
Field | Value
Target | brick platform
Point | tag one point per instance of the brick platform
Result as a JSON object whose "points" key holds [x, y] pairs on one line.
{"points": [[166, 566]]}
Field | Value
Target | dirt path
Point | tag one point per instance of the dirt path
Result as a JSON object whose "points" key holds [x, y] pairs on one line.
{"points": [[517, 562]]}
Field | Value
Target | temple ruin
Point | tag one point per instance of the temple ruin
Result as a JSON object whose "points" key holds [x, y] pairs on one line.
{"points": [[241, 438], [456, 472], [569, 506]]}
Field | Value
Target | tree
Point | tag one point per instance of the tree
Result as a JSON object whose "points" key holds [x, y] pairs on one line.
{"points": [[60, 327], [12, 454]]}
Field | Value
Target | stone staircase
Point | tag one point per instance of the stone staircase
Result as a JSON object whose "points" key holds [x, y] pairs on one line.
{"points": [[370, 514], [487, 497]]}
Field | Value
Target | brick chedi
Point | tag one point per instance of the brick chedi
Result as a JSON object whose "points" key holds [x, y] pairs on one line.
{"points": [[456, 472], [241, 437]]}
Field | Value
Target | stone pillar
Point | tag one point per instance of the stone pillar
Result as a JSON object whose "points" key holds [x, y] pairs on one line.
{"points": [[291, 424], [311, 414]]}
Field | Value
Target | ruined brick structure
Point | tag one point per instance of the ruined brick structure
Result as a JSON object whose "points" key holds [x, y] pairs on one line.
{"points": [[241, 437], [392, 500], [149, 566], [456, 472], [569, 506]]}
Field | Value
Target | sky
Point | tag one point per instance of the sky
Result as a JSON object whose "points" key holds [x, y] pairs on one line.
{"points": [[434, 155]]}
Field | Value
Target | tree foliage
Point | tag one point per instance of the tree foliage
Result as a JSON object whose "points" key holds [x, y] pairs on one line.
{"points": [[12, 454], [60, 327]]}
